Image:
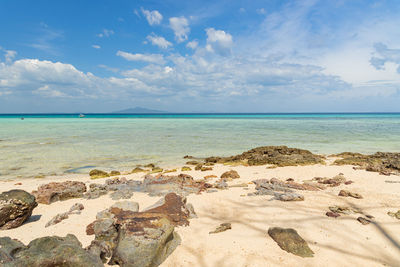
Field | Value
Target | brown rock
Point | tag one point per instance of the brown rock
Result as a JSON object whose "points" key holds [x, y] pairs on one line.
{"points": [[363, 221], [230, 174], [290, 241], [54, 191], [221, 228], [345, 193], [332, 214]]}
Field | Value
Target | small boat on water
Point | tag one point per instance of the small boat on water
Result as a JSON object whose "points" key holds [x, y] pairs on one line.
{"points": [[81, 115]]}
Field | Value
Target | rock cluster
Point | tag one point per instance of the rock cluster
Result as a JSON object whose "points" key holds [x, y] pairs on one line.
{"points": [[275, 155], [16, 207], [130, 238], [383, 162], [52, 192]]}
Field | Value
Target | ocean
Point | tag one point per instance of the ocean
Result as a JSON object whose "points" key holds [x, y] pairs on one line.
{"points": [[64, 143]]}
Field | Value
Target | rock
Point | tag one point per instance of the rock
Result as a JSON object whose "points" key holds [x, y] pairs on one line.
{"points": [[211, 190], [209, 164], [156, 170], [395, 214], [348, 182], [168, 171], [363, 221], [75, 209], [126, 205], [95, 174], [289, 240], [8, 247], [150, 165], [186, 169], [276, 155], [332, 214], [210, 176], [220, 184], [198, 167], [384, 163], [121, 194], [116, 180], [52, 192], [192, 162], [95, 191], [16, 207], [294, 185], [53, 251], [230, 174], [221, 228], [345, 193], [137, 169], [203, 169], [115, 173], [289, 197], [334, 181], [188, 157], [343, 210]]}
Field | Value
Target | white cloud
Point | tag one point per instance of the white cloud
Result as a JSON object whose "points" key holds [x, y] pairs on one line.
{"points": [[105, 33], [261, 11], [180, 26], [159, 41], [151, 58], [46, 91], [9, 55], [219, 41], [96, 46], [153, 17], [193, 44]]}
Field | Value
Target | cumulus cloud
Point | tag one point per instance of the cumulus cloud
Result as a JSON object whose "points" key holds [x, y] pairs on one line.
{"points": [[383, 54], [193, 44], [219, 41], [96, 46], [159, 41], [9, 55], [151, 58], [153, 17], [180, 26], [105, 33]]}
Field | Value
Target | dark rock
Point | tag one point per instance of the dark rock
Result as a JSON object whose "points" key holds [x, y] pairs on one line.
{"points": [[289, 240], [53, 251], [16, 207], [221, 228], [52, 192], [345, 193], [348, 182], [343, 209], [394, 214], [95, 191], [276, 155], [192, 162], [8, 247], [137, 169], [115, 173], [230, 174], [363, 221], [95, 174], [332, 214], [150, 165], [186, 168], [188, 157], [198, 167], [203, 169]]}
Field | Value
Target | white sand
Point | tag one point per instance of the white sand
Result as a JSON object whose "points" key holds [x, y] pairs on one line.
{"points": [[336, 242]]}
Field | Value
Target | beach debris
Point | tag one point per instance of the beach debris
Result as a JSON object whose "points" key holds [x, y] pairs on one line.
{"points": [[289, 240], [332, 214], [363, 221], [145, 238], [221, 228], [275, 155], [394, 214], [46, 251], [55, 191], [186, 169], [137, 170], [75, 209], [232, 174], [96, 174], [392, 182], [115, 173], [345, 193], [16, 207], [383, 162]]}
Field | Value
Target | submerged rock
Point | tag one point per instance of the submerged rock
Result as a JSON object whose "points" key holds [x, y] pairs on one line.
{"points": [[275, 155], [95, 174], [289, 240], [186, 169], [137, 169], [115, 173], [16, 207], [221, 228], [192, 162], [384, 163], [52, 192], [230, 174]]}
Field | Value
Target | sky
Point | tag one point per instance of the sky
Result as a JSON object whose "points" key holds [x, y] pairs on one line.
{"points": [[200, 56]]}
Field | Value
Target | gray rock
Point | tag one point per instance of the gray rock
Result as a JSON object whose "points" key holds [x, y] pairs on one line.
{"points": [[126, 205]]}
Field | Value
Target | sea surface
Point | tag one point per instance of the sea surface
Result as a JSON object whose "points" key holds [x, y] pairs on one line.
{"points": [[64, 143]]}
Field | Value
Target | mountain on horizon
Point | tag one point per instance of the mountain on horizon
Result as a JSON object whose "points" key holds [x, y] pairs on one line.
{"points": [[139, 110]]}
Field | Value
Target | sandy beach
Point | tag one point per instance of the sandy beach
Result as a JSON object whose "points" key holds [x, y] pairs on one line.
{"points": [[341, 241]]}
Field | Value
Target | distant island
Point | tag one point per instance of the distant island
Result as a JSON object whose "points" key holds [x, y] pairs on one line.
{"points": [[139, 110]]}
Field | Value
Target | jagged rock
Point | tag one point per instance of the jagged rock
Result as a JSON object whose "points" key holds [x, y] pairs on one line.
{"points": [[150, 165], [95, 191], [121, 194], [289, 240], [294, 185], [126, 205], [16, 207], [8, 247], [75, 209], [137, 169], [332, 214], [95, 174], [276, 155], [345, 193], [384, 163], [53, 251], [144, 238], [230, 174], [115, 173], [394, 214], [289, 197], [343, 209], [220, 184], [52, 192], [334, 181], [186, 169], [363, 221], [221, 228]]}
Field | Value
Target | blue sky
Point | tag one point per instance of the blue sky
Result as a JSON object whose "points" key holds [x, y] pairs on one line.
{"points": [[199, 56]]}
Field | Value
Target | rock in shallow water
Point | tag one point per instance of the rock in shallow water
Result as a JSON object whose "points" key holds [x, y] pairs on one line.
{"points": [[289, 240], [52, 192], [16, 207]]}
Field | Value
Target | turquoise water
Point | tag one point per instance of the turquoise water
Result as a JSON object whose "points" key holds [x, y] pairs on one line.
{"points": [[65, 143]]}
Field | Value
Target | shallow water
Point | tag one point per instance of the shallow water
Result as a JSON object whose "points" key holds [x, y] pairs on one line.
{"points": [[65, 143]]}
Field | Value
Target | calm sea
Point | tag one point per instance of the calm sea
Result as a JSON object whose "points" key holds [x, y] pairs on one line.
{"points": [[65, 143]]}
